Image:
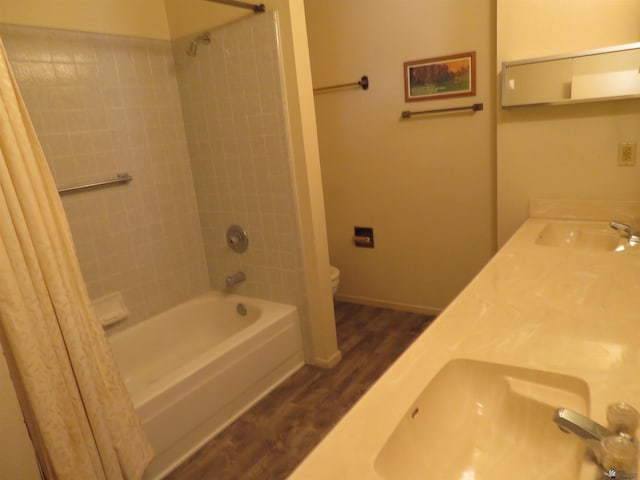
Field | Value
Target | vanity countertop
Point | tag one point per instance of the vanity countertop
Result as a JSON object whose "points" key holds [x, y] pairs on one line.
{"points": [[569, 311]]}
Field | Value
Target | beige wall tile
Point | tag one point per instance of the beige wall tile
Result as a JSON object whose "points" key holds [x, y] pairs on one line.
{"points": [[100, 113]]}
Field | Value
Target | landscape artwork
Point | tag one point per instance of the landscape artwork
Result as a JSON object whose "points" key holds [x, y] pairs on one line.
{"points": [[440, 77]]}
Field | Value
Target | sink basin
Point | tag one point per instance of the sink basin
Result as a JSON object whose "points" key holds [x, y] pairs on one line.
{"points": [[579, 236], [478, 420]]}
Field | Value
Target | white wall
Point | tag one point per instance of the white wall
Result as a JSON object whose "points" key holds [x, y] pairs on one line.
{"points": [[425, 185], [563, 151]]}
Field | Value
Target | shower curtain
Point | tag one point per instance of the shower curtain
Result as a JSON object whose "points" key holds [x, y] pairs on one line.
{"points": [[79, 415]]}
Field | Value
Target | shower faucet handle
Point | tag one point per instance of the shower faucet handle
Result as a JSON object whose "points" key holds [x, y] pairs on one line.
{"points": [[237, 239]]}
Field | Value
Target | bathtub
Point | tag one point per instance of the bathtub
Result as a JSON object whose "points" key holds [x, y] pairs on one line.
{"points": [[196, 367]]}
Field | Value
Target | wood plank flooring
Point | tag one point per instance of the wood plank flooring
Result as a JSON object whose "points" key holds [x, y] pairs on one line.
{"points": [[268, 441]]}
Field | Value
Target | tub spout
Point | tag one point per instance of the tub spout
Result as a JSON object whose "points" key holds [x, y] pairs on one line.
{"points": [[234, 279]]}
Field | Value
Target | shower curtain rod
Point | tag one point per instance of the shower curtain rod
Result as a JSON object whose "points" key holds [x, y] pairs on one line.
{"points": [[235, 3]]}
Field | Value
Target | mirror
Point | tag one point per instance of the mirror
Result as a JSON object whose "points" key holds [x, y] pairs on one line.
{"points": [[602, 74]]}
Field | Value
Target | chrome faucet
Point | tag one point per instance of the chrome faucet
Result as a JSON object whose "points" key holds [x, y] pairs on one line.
{"points": [[585, 428], [234, 279], [628, 232], [596, 436]]}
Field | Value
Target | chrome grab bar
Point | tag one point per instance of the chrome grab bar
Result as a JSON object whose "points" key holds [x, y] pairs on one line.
{"points": [[122, 178]]}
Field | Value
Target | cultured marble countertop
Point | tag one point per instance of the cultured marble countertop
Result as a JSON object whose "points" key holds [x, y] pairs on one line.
{"points": [[574, 312]]}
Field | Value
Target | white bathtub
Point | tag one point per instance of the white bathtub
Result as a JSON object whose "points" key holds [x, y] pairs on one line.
{"points": [[193, 369]]}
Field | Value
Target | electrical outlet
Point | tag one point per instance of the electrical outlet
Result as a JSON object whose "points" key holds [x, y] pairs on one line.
{"points": [[626, 154]]}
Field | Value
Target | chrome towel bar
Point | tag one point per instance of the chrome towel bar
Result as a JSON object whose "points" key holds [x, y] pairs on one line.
{"points": [[475, 107], [121, 178]]}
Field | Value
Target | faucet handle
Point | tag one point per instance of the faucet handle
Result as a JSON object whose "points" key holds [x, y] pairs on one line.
{"points": [[620, 226], [622, 418], [619, 455], [629, 232]]}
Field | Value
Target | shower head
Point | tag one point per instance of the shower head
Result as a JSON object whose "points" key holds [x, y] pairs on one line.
{"points": [[203, 38]]}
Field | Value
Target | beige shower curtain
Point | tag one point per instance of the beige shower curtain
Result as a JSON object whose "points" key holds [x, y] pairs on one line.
{"points": [[77, 409]]}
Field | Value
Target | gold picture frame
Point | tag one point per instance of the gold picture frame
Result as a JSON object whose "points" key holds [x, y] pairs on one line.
{"points": [[440, 77]]}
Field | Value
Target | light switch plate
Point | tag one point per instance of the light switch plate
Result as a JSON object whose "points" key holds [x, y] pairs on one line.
{"points": [[627, 154]]}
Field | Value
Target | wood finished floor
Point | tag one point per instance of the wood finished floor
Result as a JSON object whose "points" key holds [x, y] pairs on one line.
{"points": [[268, 441]]}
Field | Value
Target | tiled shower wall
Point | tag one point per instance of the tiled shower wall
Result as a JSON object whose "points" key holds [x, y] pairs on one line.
{"points": [[103, 104], [235, 118]]}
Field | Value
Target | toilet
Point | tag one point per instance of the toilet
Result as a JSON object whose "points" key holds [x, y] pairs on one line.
{"points": [[334, 273]]}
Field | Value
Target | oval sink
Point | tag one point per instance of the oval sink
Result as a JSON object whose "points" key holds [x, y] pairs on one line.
{"points": [[579, 236], [478, 420]]}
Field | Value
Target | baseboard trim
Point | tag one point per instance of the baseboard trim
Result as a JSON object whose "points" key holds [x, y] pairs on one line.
{"points": [[403, 307], [329, 362]]}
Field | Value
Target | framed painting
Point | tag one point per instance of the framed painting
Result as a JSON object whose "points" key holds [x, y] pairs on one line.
{"points": [[440, 77]]}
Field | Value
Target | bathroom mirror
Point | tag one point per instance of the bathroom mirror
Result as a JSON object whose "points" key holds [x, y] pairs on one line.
{"points": [[603, 74]]}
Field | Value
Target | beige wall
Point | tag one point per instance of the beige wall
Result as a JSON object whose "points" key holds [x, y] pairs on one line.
{"points": [[141, 18], [563, 151], [148, 18], [190, 16], [425, 185], [309, 181]]}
